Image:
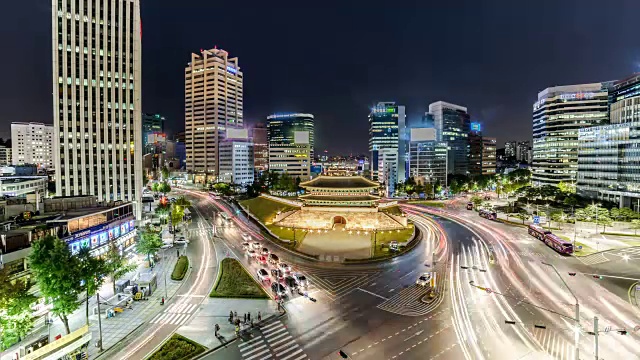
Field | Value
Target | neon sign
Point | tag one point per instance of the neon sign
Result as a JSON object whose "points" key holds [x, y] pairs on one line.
{"points": [[476, 126], [232, 70], [577, 96]]}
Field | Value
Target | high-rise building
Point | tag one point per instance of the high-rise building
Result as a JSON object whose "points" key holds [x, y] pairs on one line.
{"points": [[453, 124], [152, 132], [475, 150], [609, 155], [291, 144], [427, 156], [557, 116], [236, 158], [5, 155], [387, 130], [260, 147], [388, 169], [488, 155], [32, 143], [213, 103], [510, 149], [96, 99], [522, 151]]}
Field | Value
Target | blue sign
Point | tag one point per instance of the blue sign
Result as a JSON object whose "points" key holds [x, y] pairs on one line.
{"points": [[232, 70], [476, 126], [536, 219]]}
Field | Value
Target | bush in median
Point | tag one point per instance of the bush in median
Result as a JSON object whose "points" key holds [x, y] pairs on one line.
{"points": [[180, 269], [234, 282], [178, 348]]}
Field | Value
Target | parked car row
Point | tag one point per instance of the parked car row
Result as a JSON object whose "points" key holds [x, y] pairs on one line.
{"points": [[280, 277]]}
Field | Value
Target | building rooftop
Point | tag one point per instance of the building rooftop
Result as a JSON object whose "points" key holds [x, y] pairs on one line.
{"points": [[340, 182], [340, 198]]}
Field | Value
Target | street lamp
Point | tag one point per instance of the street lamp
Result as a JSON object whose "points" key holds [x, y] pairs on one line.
{"points": [[577, 311]]}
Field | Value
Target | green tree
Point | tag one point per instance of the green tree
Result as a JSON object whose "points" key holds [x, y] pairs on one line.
{"points": [[164, 188], [567, 188], [476, 200], [522, 215], [93, 271], [16, 318], [165, 173], [149, 243], [117, 265], [604, 221], [56, 271], [635, 225], [155, 187], [558, 215], [223, 189]]}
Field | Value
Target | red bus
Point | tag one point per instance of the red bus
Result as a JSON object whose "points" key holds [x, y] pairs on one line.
{"points": [[558, 244], [538, 232], [488, 214]]}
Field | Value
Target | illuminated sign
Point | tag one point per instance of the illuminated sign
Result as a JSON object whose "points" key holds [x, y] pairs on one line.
{"points": [[577, 96], [476, 126], [232, 70]]}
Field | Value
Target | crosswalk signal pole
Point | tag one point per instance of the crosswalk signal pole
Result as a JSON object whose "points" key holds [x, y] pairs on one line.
{"points": [[595, 335]]}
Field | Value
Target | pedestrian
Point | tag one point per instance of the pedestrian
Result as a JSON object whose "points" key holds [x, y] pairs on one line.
{"points": [[245, 318], [249, 316], [259, 316], [231, 317], [235, 314], [178, 253]]}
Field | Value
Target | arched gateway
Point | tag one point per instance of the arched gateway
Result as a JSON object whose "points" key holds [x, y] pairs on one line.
{"points": [[339, 220]]}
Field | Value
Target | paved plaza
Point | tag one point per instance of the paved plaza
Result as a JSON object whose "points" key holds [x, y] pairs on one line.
{"points": [[337, 245]]}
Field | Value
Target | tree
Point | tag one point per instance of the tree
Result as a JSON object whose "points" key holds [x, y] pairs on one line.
{"points": [[476, 200], [223, 189], [16, 318], [522, 215], [164, 188], [92, 271], [604, 221], [635, 225], [558, 215], [56, 271], [155, 187], [117, 265], [567, 188], [149, 243], [165, 173]]}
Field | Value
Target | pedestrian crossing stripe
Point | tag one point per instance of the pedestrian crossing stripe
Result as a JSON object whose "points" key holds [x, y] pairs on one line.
{"points": [[181, 308], [593, 259], [275, 341], [175, 314]]}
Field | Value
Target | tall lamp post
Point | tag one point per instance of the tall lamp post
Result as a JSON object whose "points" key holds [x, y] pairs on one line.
{"points": [[577, 312]]}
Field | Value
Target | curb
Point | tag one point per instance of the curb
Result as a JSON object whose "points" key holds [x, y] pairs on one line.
{"points": [[413, 243], [604, 251]]}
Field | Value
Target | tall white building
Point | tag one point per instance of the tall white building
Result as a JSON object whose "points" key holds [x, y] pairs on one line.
{"points": [[32, 143], [96, 98], [213, 102], [236, 158]]}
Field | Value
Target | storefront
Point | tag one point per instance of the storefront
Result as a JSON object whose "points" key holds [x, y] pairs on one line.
{"points": [[121, 233]]}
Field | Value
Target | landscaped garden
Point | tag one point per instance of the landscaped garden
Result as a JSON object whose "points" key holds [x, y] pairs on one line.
{"points": [[178, 348], [234, 282]]}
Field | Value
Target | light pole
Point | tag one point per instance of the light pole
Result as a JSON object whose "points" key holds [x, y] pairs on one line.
{"points": [[164, 257], [99, 321], [575, 226], [577, 311]]}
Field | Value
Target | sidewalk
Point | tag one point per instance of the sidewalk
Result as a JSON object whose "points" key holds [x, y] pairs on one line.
{"points": [[216, 311]]}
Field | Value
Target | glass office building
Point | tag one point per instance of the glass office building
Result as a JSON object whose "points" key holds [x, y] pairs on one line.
{"points": [[609, 155], [387, 124], [558, 115], [453, 124]]}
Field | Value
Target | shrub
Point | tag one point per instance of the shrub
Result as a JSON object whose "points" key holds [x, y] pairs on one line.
{"points": [[180, 269]]}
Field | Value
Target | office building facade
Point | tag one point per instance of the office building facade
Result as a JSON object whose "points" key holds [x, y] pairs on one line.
{"points": [[558, 115], [213, 103], [510, 149], [453, 124], [153, 136], [387, 130], [523, 149], [6, 157], [236, 158], [32, 143], [609, 155], [260, 148], [489, 155], [427, 156], [475, 153], [97, 99], [291, 142]]}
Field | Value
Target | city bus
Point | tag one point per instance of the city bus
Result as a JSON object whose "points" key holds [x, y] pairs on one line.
{"points": [[488, 214], [538, 232], [557, 244]]}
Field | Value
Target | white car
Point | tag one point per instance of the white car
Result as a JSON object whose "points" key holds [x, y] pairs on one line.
{"points": [[166, 246], [246, 237], [182, 241], [284, 267], [424, 279], [245, 246], [263, 275], [256, 245], [252, 253], [301, 279]]}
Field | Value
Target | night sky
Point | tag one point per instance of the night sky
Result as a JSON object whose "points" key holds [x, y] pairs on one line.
{"points": [[335, 61]]}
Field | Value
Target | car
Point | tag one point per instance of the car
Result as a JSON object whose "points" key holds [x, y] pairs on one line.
{"points": [[181, 241], [166, 246], [278, 289], [246, 237], [273, 259], [262, 260], [263, 275], [284, 267], [277, 274], [246, 246], [424, 279], [264, 251], [256, 245], [252, 253], [470, 206], [393, 245], [291, 282], [301, 279]]}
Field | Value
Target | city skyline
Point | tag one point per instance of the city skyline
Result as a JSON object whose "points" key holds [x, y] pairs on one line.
{"points": [[517, 74]]}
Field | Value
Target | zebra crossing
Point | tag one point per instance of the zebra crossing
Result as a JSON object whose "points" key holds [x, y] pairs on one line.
{"points": [[275, 342], [593, 259], [632, 253], [337, 283], [538, 254], [408, 302], [175, 314]]}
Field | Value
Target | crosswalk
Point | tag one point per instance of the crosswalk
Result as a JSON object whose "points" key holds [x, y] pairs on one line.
{"points": [[539, 254], [275, 342], [408, 302], [593, 259], [632, 252], [175, 314], [337, 283]]}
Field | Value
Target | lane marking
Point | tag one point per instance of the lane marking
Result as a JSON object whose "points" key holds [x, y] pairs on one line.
{"points": [[371, 293]]}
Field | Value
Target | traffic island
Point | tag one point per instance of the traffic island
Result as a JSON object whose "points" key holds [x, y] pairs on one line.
{"points": [[176, 348], [235, 282], [182, 265]]}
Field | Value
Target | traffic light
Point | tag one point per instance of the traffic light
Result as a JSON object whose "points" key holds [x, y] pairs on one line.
{"points": [[343, 354], [572, 274]]}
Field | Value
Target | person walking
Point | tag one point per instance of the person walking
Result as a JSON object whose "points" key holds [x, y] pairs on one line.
{"points": [[259, 316], [245, 318], [249, 316]]}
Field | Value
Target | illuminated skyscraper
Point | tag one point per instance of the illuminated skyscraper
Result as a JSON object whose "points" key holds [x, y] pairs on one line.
{"points": [[96, 98], [452, 123], [387, 130]]}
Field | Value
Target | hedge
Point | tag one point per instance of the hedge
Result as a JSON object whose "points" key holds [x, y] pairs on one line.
{"points": [[234, 282], [178, 348], [180, 269]]}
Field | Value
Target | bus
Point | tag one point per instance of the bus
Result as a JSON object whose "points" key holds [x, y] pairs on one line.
{"points": [[538, 232], [488, 214], [557, 244]]}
